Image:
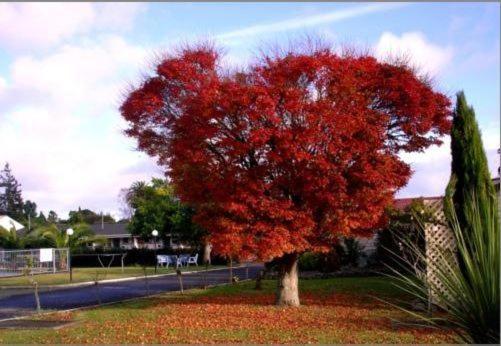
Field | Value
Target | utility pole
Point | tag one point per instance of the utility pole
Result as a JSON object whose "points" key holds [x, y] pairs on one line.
{"points": [[70, 232], [154, 233]]}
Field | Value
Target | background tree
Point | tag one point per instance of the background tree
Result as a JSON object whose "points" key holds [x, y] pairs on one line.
{"points": [[12, 239], [9, 239], [30, 210], [183, 226], [41, 218], [187, 231], [88, 216], [52, 217], [11, 200], [154, 206], [125, 209], [57, 236], [30, 214], [151, 204], [289, 154], [469, 169]]}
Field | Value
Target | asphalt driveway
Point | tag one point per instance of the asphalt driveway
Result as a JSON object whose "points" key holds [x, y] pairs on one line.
{"points": [[75, 297]]}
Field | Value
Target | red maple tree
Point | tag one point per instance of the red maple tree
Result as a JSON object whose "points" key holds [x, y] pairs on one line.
{"points": [[289, 154]]}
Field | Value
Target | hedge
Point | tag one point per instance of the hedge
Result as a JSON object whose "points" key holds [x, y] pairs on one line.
{"points": [[89, 258]]}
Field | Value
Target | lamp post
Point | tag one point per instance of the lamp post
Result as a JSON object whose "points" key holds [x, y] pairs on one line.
{"points": [[154, 233], [69, 232]]}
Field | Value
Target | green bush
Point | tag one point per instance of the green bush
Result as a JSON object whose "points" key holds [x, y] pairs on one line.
{"points": [[323, 262], [309, 261]]}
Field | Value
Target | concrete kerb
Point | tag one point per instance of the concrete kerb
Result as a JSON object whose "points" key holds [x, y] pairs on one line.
{"points": [[91, 283]]}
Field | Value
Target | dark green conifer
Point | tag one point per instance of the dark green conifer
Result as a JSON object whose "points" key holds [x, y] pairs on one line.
{"points": [[470, 177]]}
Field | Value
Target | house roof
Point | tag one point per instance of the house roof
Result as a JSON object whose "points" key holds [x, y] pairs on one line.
{"points": [[402, 203], [110, 229], [9, 223]]}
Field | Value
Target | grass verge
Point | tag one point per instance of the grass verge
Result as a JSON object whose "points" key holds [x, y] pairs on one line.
{"points": [[339, 310], [90, 274]]}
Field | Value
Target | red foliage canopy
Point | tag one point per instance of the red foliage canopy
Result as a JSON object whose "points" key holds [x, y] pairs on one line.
{"points": [[291, 153]]}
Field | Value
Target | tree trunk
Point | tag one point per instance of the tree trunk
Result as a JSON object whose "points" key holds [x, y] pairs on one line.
{"points": [[98, 295], [259, 278], [205, 275], [180, 279], [37, 297], [207, 253], [287, 290]]}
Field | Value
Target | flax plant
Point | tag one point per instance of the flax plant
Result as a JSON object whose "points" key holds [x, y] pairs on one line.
{"points": [[469, 295]]}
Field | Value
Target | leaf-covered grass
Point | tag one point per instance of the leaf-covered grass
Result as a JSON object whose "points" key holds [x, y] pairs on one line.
{"points": [[341, 310], [89, 274]]}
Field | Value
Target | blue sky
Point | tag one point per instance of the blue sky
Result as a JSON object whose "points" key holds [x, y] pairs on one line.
{"points": [[64, 67]]}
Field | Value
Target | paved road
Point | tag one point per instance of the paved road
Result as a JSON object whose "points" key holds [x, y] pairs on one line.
{"points": [[75, 297]]}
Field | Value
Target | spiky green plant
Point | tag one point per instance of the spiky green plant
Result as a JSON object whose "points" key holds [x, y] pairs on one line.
{"points": [[469, 295]]}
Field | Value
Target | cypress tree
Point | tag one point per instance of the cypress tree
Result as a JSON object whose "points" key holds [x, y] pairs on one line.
{"points": [[11, 201], [470, 175]]}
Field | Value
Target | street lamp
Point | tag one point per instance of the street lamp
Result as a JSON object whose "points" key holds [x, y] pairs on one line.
{"points": [[70, 232], [154, 233]]}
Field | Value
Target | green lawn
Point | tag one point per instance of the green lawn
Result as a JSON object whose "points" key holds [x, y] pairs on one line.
{"points": [[92, 274], [340, 310]]}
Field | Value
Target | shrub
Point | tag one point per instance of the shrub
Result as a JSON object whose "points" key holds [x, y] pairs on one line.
{"points": [[403, 227], [352, 252], [470, 293], [309, 261], [324, 262]]}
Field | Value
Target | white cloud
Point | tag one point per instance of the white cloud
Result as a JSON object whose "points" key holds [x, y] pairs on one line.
{"points": [[115, 15], [431, 171], [432, 167], [308, 21], [65, 145], [75, 74], [3, 86], [426, 56], [41, 25]]}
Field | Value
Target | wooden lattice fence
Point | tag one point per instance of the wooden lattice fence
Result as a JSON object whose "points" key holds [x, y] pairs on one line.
{"points": [[440, 244]]}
